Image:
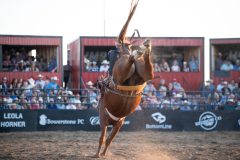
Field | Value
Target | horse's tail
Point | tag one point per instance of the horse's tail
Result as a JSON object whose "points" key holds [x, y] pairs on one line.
{"points": [[122, 35]]}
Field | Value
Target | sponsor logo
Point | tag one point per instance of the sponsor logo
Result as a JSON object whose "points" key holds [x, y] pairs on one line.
{"points": [[12, 116], [44, 120], [15, 120], [160, 118], [208, 121], [94, 120]]}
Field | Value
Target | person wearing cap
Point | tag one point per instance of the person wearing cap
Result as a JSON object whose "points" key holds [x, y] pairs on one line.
{"points": [[51, 104], [185, 106], [212, 100], [94, 67], [225, 90], [40, 81], [52, 85], [104, 66], [112, 56]]}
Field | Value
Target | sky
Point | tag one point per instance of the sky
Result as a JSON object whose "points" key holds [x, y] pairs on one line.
{"points": [[153, 18]]}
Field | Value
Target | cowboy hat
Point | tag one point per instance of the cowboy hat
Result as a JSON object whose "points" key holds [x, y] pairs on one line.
{"points": [[89, 83], [105, 62], [40, 75], [54, 78]]}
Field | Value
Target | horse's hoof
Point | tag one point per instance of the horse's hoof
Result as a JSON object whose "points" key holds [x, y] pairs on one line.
{"points": [[103, 154], [96, 156]]}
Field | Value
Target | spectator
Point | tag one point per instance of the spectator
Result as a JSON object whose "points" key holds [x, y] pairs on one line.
{"points": [[226, 66], [52, 85], [24, 102], [153, 101], [162, 89], [185, 67], [225, 90], [220, 86], [157, 68], [60, 103], [67, 70], [51, 104], [212, 100], [218, 61], [165, 67], [4, 86], [165, 105], [231, 85], [34, 103], [21, 66], [211, 85], [175, 67], [231, 103], [94, 67], [13, 86], [149, 88], [104, 66], [236, 67], [193, 64], [40, 81], [42, 64], [71, 102], [87, 64], [7, 64], [185, 106], [52, 67], [176, 85]]}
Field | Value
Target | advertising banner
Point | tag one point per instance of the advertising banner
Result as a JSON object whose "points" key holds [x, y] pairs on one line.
{"points": [[18, 120], [88, 120]]}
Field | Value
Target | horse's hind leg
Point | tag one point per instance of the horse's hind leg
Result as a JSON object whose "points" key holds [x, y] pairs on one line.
{"points": [[115, 130]]}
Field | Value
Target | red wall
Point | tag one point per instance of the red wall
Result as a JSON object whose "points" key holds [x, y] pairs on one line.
{"points": [[29, 41], [190, 81]]}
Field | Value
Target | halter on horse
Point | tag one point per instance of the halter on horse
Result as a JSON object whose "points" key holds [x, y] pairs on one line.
{"points": [[121, 93]]}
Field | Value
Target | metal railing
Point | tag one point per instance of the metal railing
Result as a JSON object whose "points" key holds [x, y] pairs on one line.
{"points": [[88, 99]]}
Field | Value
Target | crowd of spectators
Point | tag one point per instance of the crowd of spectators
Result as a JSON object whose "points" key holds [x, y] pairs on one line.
{"points": [[177, 64], [225, 95], [45, 93], [97, 62], [231, 62], [23, 61]]}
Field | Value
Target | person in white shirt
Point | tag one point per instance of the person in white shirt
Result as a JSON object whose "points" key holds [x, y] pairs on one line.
{"points": [[175, 67], [40, 81], [104, 66], [227, 66]]}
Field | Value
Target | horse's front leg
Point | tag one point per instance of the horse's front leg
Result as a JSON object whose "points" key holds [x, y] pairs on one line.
{"points": [[103, 126], [115, 130], [101, 140]]}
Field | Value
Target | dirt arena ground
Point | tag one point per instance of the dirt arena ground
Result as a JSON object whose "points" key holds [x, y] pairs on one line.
{"points": [[145, 145]]}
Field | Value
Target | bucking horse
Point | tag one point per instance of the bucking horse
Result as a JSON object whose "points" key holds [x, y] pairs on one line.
{"points": [[121, 93]]}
